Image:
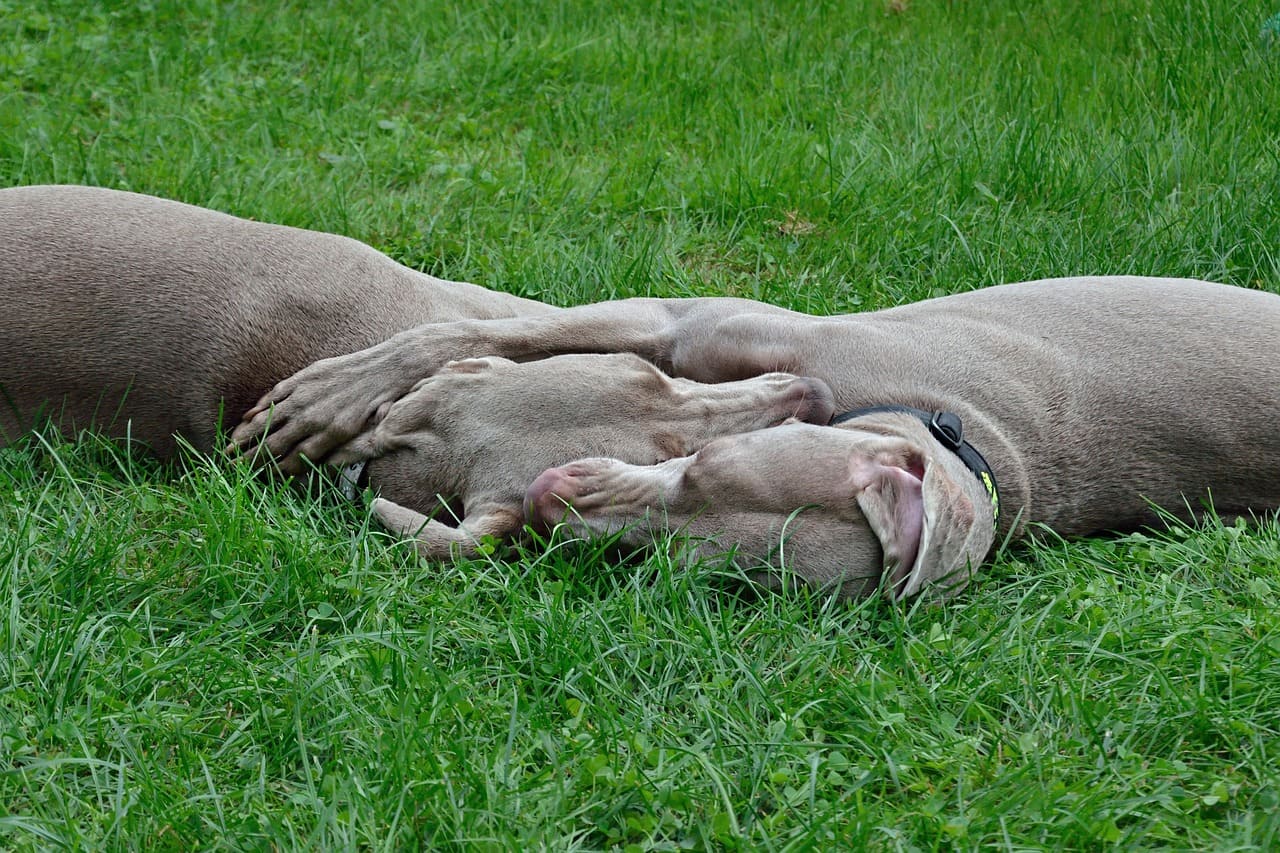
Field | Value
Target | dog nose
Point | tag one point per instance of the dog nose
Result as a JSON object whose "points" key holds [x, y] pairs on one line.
{"points": [[548, 498]]}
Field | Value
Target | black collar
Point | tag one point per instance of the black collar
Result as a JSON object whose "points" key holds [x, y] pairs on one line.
{"points": [[946, 428]]}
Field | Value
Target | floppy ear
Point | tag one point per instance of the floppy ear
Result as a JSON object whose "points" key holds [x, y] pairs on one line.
{"points": [[959, 530], [922, 508], [891, 498]]}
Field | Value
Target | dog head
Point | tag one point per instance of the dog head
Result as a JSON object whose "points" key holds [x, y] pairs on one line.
{"points": [[481, 429], [875, 502]]}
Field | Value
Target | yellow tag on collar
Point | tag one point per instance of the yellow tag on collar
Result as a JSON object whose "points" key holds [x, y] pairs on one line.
{"points": [[989, 484]]}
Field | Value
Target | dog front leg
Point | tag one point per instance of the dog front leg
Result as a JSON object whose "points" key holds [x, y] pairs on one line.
{"points": [[437, 541], [325, 405]]}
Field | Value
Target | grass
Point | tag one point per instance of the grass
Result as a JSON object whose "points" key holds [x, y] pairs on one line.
{"points": [[190, 658]]}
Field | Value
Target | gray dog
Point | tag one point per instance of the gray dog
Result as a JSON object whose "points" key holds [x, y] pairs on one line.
{"points": [[1077, 403], [152, 319]]}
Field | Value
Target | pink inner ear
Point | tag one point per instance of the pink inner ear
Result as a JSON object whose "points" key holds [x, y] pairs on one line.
{"points": [[892, 499]]}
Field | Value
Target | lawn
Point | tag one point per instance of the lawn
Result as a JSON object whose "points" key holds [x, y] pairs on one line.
{"points": [[192, 658]]}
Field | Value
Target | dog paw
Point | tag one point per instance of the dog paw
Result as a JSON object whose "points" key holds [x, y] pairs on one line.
{"points": [[320, 408]]}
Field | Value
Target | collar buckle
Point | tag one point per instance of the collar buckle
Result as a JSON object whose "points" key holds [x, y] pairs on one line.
{"points": [[948, 429]]}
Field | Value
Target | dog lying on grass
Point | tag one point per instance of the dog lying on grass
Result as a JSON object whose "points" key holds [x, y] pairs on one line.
{"points": [[151, 319], [1082, 404], [1075, 403]]}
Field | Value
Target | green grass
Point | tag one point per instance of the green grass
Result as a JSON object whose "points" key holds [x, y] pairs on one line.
{"points": [[191, 658]]}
